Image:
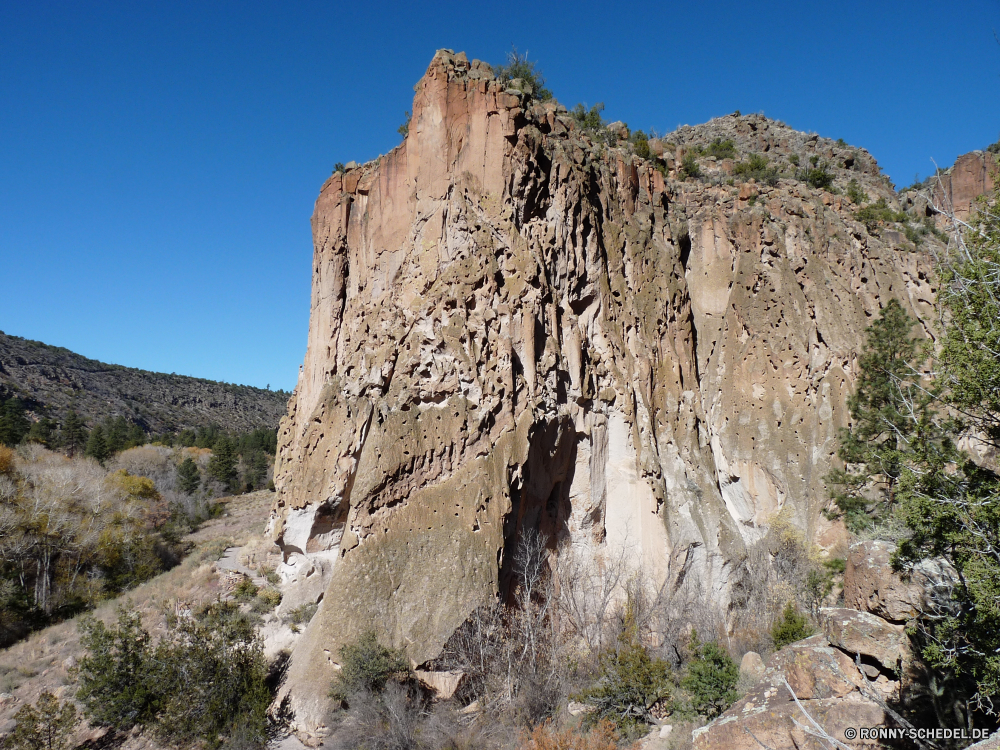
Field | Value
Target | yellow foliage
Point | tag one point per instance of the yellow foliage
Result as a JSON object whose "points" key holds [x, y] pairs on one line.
{"points": [[137, 488], [6, 460]]}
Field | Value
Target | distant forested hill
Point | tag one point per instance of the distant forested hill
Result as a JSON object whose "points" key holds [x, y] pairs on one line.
{"points": [[50, 381]]}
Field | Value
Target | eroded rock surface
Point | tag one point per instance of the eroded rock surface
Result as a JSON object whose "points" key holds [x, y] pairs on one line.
{"points": [[514, 327]]}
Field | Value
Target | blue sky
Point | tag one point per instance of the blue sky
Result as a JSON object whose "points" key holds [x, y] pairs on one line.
{"points": [[159, 161]]}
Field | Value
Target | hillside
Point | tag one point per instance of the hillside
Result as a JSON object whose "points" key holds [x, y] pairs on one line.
{"points": [[51, 380]]}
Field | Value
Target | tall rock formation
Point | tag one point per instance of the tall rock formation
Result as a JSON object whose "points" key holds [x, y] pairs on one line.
{"points": [[516, 325], [958, 187]]}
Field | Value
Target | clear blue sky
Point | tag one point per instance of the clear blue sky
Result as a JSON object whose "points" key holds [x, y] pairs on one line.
{"points": [[159, 161]]}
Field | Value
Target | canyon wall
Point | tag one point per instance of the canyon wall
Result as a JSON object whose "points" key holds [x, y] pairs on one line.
{"points": [[516, 325]]}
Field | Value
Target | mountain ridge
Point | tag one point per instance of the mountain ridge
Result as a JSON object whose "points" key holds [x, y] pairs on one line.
{"points": [[51, 380]]}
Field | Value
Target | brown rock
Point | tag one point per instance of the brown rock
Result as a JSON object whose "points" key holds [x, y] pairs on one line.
{"points": [[822, 678], [870, 585], [863, 633], [971, 175]]}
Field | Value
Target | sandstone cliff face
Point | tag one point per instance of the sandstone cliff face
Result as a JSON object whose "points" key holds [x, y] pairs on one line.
{"points": [[971, 175], [513, 327]]}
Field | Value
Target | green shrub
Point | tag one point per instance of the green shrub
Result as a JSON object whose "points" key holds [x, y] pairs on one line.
{"points": [[689, 166], [206, 677], [269, 574], [793, 626], [366, 666], [404, 129], [710, 678], [245, 590], [300, 615], [118, 683], [756, 168], [856, 194], [266, 600], [212, 678], [721, 149], [589, 120], [817, 177], [878, 213], [794, 159], [630, 684], [520, 67], [45, 726], [641, 145]]}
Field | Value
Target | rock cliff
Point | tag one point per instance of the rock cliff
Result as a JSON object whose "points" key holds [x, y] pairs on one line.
{"points": [[518, 325]]}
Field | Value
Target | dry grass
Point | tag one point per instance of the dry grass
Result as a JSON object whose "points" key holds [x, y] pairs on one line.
{"points": [[44, 660]]}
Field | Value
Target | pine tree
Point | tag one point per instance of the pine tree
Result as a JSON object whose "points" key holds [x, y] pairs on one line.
{"points": [[73, 437], [42, 432], [222, 465], [45, 726], [97, 448], [952, 504], [188, 476], [14, 426], [889, 410]]}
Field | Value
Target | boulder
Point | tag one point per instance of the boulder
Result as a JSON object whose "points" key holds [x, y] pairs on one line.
{"points": [[871, 585], [827, 685], [863, 633], [444, 684]]}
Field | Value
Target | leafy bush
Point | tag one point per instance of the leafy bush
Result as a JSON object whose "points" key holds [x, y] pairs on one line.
{"points": [[245, 590], [817, 177], [711, 678], [520, 67], [641, 145], [404, 129], [212, 678], [366, 666], [300, 615], [269, 574], [631, 683], [878, 213], [589, 120], [856, 194], [45, 726], [118, 686], [793, 626], [205, 677], [266, 600], [756, 168], [721, 149], [794, 159], [689, 166]]}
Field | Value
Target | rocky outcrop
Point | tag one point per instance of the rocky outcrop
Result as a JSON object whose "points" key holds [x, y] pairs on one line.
{"points": [[516, 327], [871, 585], [971, 175], [829, 689]]}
